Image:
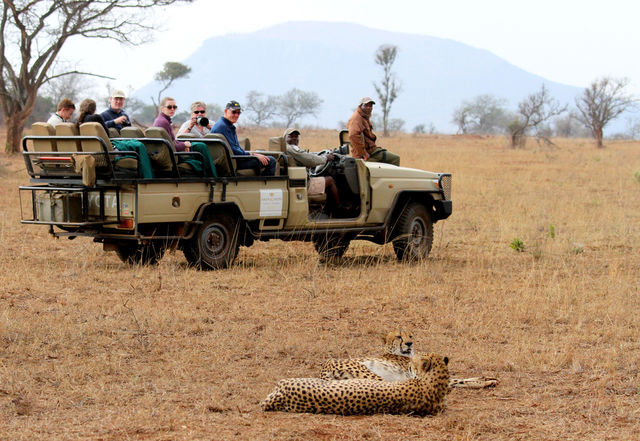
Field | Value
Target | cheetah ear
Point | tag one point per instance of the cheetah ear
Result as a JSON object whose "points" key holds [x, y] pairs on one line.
{"points": [[426, 365], [388, 337], [446, 360]]}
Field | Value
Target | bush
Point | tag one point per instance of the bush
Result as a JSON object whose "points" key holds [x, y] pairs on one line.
{"points": [[517, 245]]}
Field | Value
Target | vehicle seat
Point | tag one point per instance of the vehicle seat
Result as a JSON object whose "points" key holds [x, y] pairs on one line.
{"points": [[245, 143], [317, 198], [93, 145], [44, 145], [113, 132], [216, 155], [71, 145], [158, 152], [131, 132], [344, 138]]}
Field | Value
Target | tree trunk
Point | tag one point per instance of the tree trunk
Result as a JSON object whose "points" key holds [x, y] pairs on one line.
{"points": [[15, 127], [598, 134]]}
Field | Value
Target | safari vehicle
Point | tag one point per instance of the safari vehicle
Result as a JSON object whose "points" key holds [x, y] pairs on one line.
{"points": [[208, 213]]}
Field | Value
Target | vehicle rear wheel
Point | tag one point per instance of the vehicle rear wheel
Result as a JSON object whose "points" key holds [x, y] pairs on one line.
{"points": [[331, 247], [215, 244], [415, 233], [134, 253]]}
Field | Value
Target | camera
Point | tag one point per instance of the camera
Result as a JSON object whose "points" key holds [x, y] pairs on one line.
{"points": [[202, 121]]}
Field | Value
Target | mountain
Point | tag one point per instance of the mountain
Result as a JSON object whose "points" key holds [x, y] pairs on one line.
{"points": [[336, 60]]}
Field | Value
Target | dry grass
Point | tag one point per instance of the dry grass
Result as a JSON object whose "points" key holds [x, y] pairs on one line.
{"points": [[93, 349]]}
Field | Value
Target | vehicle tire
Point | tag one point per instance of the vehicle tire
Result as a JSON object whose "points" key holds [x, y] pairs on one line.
{"points": [[134, 253], [215, 244], [415, 233], [331, 247]]}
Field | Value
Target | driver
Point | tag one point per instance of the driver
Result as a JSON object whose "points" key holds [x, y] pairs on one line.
{"points": [[317, 185]]}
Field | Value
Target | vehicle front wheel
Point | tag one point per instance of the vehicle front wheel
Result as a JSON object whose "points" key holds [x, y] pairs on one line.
{"points": [[331, 247], [133, 253], [215, 244], [415, 233]]}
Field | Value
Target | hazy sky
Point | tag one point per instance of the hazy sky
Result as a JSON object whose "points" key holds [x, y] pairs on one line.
{"points": [[568, 41]]}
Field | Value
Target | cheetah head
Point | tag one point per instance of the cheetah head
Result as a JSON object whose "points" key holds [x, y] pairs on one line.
{"points": [[399, 343], [423, 363]]}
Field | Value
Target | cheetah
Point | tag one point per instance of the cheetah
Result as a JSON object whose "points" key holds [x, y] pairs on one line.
{"points": [[391, 366], [395, 365], [423, 395]]}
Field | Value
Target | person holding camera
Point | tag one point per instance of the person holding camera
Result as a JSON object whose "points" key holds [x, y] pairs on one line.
{"points": [[199, 125]]}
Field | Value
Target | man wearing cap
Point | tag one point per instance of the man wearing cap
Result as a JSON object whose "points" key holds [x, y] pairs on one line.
{"points": [[363, 140], [225, 126], [317, 185], [114, 116]]}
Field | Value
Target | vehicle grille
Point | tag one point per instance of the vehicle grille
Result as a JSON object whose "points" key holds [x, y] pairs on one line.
{"points": [[445, 185]]}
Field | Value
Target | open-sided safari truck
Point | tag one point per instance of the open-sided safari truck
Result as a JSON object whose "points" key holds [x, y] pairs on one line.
{"points": [[141, 197]]}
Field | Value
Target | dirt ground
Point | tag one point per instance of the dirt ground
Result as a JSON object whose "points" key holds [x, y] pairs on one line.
{"points": [[93, 349]]}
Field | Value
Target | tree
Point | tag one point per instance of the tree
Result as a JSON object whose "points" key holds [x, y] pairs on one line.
{"points": [[170, 72], [33, 32], [388, 88], [603, 101], [533, 111], [260, 109], [296, 104], [484, 114]]}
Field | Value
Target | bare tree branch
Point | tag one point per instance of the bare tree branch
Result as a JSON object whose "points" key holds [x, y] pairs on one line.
{"points": [[33, 32], [534, 110]]}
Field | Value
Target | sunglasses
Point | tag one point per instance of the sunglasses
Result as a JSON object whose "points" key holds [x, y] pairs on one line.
{"points": [[236, 112], [171, 107], [200, 111]]}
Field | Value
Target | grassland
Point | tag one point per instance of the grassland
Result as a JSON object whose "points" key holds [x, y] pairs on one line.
{"points": [[93, 349]]}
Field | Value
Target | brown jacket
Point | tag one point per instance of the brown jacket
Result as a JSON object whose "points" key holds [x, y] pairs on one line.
{"points": [[361, 134]]}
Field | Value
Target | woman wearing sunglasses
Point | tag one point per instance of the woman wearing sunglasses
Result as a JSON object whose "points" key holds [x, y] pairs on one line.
{"points": [[168, 108], [199, 124]]}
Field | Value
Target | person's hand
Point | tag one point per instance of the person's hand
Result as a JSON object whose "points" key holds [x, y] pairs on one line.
{"points": [[330, 156], [366, 155], [262, 158], [121, 119], [187, 146], [192, 123]]}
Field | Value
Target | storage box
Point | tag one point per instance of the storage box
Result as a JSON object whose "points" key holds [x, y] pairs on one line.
{"points": [[60, 207]]}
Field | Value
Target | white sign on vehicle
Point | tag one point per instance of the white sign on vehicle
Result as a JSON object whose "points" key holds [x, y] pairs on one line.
{"points": [[271, 202]]}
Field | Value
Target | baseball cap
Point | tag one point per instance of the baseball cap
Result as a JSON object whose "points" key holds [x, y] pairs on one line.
{"points": [[233, 105], [289, 131], [366, 100], [117, 94]]}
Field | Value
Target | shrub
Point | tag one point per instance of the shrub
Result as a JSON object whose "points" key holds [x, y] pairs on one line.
{"points": [[517, 245]]}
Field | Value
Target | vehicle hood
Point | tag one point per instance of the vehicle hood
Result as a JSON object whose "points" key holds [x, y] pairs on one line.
{"points": [[382, 170]]}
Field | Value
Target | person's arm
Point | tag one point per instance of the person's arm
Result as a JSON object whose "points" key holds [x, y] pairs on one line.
{"points": [[305, 158], [188, 125], [126, 122]]}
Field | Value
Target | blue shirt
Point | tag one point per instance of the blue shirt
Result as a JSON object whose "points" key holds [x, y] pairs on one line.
{"points": [[226, 128], [109, 115]]}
